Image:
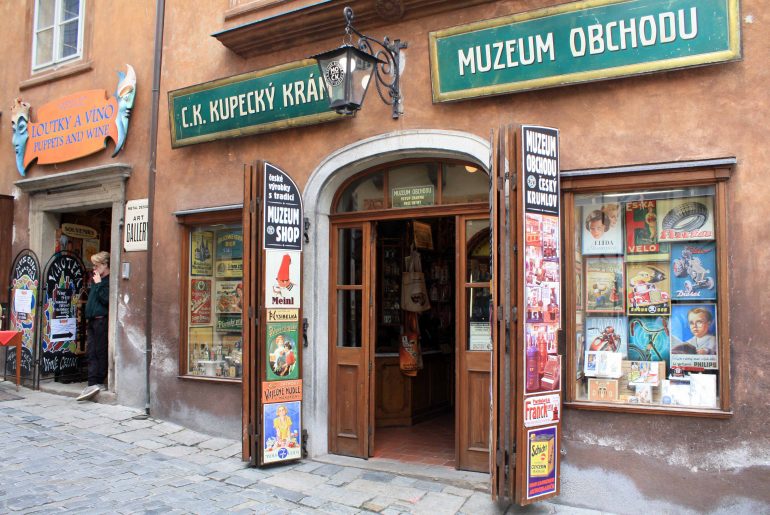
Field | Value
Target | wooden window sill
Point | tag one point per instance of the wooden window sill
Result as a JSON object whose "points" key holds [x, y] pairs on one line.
{"points": [[207, 379], [649, 410]]}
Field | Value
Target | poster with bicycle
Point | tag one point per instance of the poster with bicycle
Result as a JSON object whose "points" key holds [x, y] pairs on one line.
{"points": [[649, 339], [693, 271], [642, 232], [694, 336]]}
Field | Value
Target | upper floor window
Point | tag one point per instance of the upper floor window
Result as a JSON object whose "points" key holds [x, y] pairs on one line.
{"points": [[58, 33]]}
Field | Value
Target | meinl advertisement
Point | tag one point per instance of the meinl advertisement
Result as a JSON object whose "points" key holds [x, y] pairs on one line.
{"points": [[283, 211]]}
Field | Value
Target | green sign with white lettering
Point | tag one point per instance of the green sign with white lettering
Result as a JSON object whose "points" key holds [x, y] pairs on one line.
{"points": [[289, 95], [581, 42]]}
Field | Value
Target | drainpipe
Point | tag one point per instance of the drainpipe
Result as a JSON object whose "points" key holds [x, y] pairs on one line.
{"points": [[160, 8]]}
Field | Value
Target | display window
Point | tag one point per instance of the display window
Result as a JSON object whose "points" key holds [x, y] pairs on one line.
{"points": [[212, 314], [649, 295]]}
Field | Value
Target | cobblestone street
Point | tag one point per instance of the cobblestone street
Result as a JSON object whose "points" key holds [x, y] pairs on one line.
{"points": [[59, 455]]}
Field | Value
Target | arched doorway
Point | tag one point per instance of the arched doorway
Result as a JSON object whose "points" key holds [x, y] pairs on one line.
{"points": [[430, 407]]}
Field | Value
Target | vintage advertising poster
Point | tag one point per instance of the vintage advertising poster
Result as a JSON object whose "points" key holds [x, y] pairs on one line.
{"points": [[543, 363], [542, 410], [694, 336], [282, 279], [282, 391], [282, 351], [648, 289], [227, 323], [642, 232], [200, 301], [686, 219], [283, 221], [606, 334], [542, 461], [602, 229], [282, 432], [202, 256], [649, 339], [605, 285], [229, 297], [693, 271], [25, 293], [229, 248]]}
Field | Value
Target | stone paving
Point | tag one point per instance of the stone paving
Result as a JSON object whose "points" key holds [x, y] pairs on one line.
{"points": [[58, 455]]}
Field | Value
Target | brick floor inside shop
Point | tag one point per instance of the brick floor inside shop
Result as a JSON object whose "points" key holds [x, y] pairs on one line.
{"points": [[431, 442]]}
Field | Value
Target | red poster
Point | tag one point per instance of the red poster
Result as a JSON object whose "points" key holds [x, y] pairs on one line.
{"points": [[200, 302]]}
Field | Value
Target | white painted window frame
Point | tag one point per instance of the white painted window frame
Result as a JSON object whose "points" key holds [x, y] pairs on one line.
{"points": [[58, 23]]}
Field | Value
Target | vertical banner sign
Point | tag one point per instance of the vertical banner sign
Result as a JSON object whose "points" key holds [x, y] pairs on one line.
{"points": [[137, 219], [541, 362], [283, 211], [281, 387], [61, 315], [25, 291]]}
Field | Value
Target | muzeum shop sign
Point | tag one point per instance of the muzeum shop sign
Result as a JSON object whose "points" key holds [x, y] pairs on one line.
{"points": [[581, 42]]}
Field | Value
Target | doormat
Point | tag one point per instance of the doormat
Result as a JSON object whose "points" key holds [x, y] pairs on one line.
{"points": [[5, 395]]}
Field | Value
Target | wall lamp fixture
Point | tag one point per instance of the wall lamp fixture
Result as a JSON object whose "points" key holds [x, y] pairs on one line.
{"points": [[347, 70]]}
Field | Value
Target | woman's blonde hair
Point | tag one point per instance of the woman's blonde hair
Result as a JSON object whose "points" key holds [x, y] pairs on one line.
{"points": [[101, 258]]}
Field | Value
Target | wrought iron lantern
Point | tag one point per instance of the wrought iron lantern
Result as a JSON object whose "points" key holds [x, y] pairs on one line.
{"points": [[347, 70]]}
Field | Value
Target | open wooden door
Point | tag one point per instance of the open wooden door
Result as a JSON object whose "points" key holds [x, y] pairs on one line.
{"points": [[503, 226], [351, 312], [474, 344]]}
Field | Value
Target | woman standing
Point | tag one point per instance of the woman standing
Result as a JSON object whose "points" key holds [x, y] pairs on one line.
{"points": [[97, 310]]}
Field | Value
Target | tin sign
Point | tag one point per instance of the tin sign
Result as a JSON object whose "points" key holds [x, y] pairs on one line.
{"points": [[283, 211], [542, 461], [541, 410]]}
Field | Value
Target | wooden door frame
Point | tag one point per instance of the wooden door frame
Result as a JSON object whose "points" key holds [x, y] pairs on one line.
{"points": [[461, 331], [457, 211]]}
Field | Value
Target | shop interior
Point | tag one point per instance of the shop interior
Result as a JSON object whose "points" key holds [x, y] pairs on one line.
{"points": [[83, 233], [414, 409]]}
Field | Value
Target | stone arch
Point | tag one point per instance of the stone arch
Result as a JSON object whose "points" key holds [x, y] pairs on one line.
{"points": [[318, 195]]}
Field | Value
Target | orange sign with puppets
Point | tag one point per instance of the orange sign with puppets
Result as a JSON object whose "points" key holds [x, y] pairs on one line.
{"points": [[73, 126]]}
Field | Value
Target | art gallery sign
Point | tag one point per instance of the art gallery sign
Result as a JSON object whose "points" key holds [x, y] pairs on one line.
{"points": [[581, 42], [290, 95]]}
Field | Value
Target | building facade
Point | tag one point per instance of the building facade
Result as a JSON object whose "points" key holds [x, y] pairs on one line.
{"points": [[661, 154]]}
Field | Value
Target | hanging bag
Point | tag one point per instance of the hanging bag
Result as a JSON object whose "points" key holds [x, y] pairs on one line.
{"points": [[414, 294], [409, 352]]}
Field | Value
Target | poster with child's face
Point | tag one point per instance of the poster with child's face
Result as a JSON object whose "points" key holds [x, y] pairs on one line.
{"points": [[694, 336], [602, 229]]}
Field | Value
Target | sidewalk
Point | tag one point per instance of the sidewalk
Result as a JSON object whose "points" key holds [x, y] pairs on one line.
{"points": [[60, 455]]}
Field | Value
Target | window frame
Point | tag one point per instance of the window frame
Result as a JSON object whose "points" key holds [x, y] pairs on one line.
{"points": [[58, 23], [188, 223], [649, 177], [439, 204]]}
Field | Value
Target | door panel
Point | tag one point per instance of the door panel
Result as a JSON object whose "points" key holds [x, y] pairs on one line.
{"points": [[349, 336], [473, 343]]}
